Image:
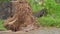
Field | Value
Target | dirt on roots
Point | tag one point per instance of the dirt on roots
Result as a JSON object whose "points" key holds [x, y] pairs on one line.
{"points": [[22, 18]]}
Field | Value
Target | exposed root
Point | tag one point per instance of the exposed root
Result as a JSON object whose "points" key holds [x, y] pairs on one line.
{"points": [[22, 19]]}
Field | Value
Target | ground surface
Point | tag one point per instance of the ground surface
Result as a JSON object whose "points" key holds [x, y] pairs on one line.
{"points": [[39, 31]]}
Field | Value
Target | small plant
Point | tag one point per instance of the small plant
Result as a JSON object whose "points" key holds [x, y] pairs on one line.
{"points": [[1, 25]]}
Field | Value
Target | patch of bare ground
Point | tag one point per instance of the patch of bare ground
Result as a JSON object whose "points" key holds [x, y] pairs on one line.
{"points": [[41, 30]]}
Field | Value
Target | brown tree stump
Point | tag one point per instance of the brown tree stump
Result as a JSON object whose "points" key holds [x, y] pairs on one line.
{"points": [[22, 18]]}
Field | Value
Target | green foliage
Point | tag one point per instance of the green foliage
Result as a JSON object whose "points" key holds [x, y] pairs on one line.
{"points": [[50, 5], [53, 16], [1, 25], [49, 21], [35, 5], [4, 0]]}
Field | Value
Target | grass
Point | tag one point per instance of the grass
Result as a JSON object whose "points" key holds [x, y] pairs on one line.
{"points": [[49, 21], [1, 25]]}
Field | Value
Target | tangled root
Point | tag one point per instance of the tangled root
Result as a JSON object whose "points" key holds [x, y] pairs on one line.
{"points": [[22, 19]]}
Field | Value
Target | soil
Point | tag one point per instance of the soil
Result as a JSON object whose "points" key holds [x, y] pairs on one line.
{"points": [[38, 31]]}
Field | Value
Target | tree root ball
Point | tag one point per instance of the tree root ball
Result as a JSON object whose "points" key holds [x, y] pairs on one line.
{"points": [[22, 18]]}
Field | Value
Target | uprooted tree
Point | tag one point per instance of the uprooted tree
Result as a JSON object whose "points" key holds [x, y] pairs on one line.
{"points": [[22, 18]]}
